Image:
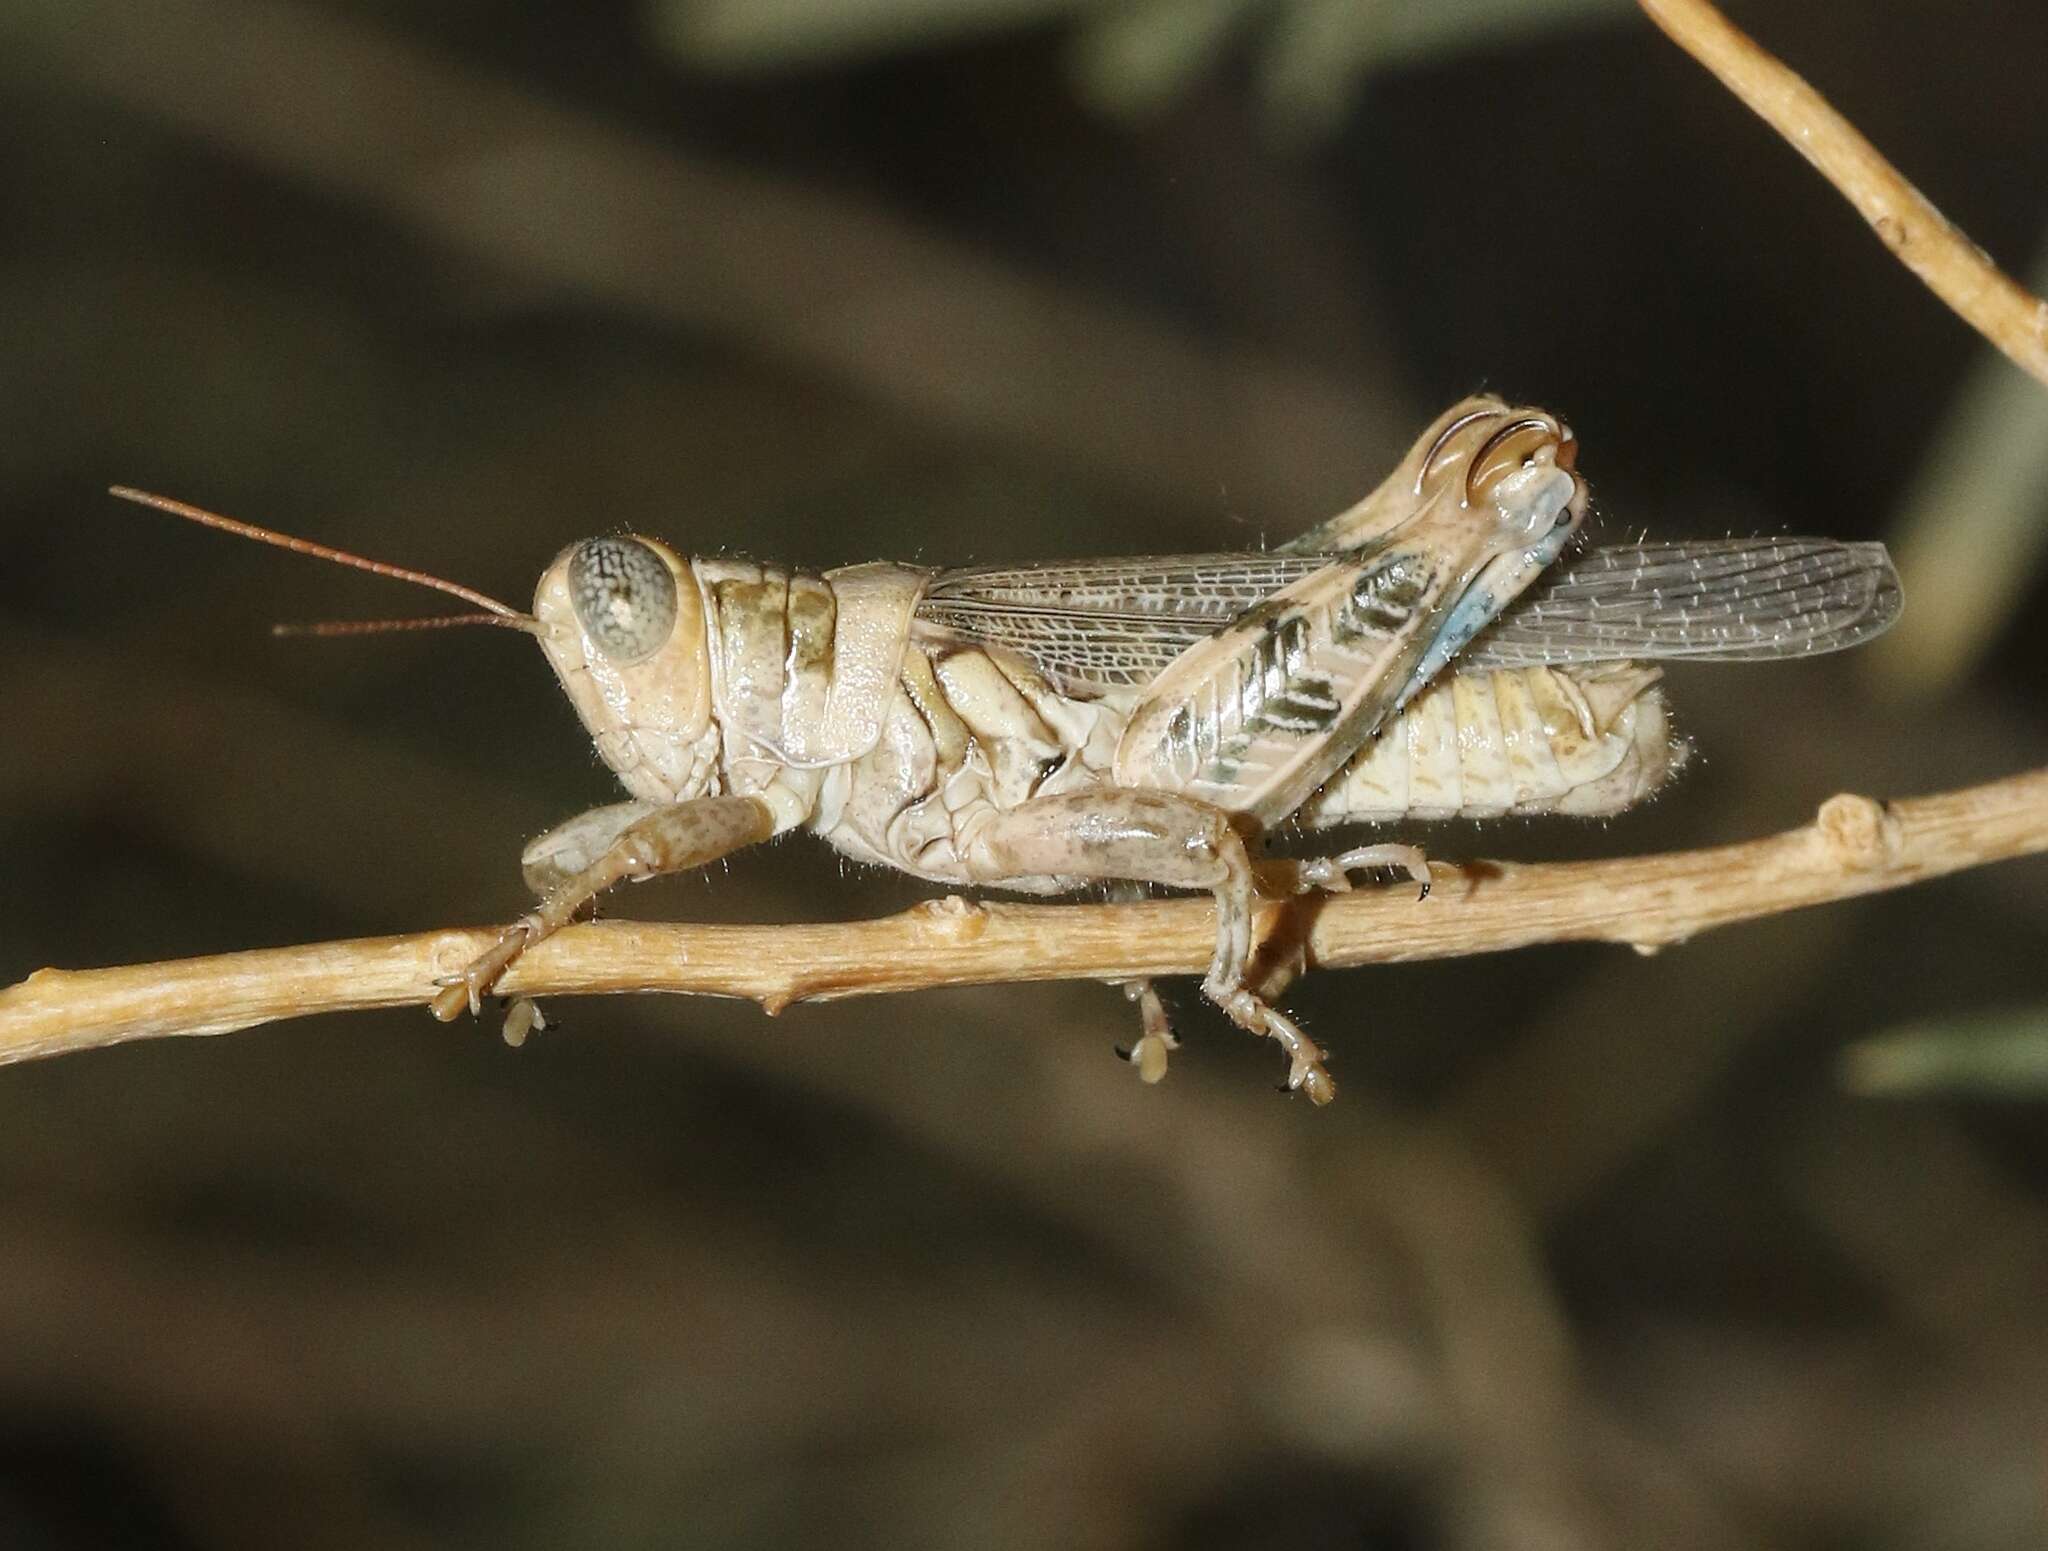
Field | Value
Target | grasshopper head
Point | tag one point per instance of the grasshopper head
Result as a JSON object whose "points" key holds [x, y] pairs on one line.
{"points": [[622, 623]]}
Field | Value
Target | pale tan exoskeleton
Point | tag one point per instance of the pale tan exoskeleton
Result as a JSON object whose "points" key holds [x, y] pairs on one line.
{"points": [[1148, 720]]}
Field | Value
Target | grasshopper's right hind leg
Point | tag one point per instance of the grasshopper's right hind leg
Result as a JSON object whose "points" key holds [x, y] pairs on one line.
{"points": [[626, 843]]}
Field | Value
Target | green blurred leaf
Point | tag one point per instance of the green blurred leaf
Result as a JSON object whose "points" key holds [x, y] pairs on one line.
{"points": [[1131, 57], [1998, 1055]]}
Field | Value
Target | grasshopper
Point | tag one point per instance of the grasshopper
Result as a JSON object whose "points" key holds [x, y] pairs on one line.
{"points": [[1148, 721]]}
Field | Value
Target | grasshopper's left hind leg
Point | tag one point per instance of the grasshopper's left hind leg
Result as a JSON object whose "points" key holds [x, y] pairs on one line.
{"points": [[1154, 837], [627, 843]]}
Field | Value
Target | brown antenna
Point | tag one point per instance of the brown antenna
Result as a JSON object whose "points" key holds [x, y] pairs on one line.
{"points": [[334, 627], [497, 613]]}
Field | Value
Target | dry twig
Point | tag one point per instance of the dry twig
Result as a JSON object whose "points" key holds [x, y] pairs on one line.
{"points": [[1951, 266], [1855, 846]]}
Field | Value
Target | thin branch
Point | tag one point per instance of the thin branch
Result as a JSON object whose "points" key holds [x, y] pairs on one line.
{"points": [[1854, 846], [1950, 265]]}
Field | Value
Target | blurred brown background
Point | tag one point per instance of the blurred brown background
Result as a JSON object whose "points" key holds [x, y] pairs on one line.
{"points": [[1595, 1251]]}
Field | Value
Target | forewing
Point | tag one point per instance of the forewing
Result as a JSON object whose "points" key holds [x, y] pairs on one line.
{"points": [[1096, 625], [1716, 600]]}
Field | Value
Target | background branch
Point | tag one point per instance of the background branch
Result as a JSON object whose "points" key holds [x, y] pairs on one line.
{"points": [[1854, 846], [1952, 266]]}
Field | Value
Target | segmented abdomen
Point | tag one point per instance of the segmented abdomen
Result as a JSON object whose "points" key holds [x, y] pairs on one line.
{"points": [[1586, 740]]}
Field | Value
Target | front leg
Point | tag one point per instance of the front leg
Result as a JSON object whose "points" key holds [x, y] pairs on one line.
{"points": [[643, 843], [1154, 837]]}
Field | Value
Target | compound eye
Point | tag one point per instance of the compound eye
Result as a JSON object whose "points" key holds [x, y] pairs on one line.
{"points": [[625, 597]]}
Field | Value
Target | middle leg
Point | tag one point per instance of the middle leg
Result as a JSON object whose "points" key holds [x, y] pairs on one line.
{"points": [[1155, 837]]}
